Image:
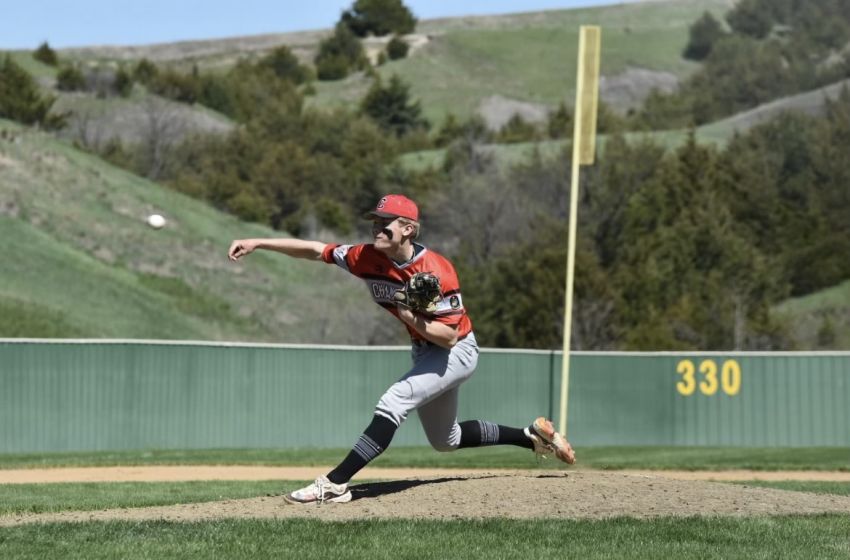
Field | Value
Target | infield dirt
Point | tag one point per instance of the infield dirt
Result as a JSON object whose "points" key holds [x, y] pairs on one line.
{"points": [[498, 494]]}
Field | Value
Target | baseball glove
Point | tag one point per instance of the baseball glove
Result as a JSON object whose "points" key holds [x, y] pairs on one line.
{"points": [[420, 293]]}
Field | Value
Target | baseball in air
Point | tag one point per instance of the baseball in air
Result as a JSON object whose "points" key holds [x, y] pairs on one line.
{"points": [[156, 221]]}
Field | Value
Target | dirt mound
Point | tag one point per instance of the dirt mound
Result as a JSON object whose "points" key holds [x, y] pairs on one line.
{"points": [[571, 495]]}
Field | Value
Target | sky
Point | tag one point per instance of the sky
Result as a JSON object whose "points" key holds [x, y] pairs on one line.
{"points": [[76, 23]]}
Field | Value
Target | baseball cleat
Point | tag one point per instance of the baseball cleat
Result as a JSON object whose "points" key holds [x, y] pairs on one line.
{"points": [[549, 442], [321, 491]]}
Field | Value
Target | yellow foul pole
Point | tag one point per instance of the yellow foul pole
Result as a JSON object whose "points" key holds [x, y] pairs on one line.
{"points": [[584, 147]]}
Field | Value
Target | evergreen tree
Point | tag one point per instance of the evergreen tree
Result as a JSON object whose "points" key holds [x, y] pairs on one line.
{"points": [[123, 82], [703, 34], [690, 275], [517, 129], [285, 65], [751, 18], [379, 17], [20, 98], [559, 123], [70, 78], [391, 108], [740, 73], [145, 71], [339, 54], [397, 48], [46, 55]]}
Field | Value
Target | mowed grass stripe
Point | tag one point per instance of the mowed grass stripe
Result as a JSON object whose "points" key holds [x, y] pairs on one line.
{"points": [[612, 458], [90, 496], [813, 486], [771, 537]]}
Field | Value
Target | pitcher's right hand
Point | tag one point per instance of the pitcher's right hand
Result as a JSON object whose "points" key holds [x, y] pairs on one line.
{"points": [[241, 247]]}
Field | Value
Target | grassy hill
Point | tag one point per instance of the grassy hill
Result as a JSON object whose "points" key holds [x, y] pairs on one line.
{"points": [[491, 65], [717, 133], [83, 262], [532, 57], [462, 65], [820, 320]]}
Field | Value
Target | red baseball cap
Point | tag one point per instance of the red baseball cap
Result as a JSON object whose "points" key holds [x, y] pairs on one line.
{"points": [[395, 206]]}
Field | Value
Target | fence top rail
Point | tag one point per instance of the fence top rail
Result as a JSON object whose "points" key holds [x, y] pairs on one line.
{"points": [[222, 344]]}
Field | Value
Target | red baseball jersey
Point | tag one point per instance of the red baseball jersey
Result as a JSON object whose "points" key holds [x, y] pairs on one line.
{"points": [[384, 276]]}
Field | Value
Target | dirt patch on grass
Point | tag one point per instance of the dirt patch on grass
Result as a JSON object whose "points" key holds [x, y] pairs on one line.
{"points": [[497, 494]]}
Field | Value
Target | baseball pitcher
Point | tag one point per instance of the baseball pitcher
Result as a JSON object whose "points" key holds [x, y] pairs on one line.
{"points": [[421, 289]]}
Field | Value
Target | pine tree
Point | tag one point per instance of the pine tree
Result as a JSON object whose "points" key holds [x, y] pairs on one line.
{"points": [[70, 78], [20, 97], [397, 48], [46, 55], [285, 65], [339, 54], [391, 108], [379, 17], [703, 34]]}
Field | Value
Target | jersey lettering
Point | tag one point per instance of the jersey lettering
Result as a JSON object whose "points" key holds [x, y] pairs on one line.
{"points": [[383, 278], [383, 291]]}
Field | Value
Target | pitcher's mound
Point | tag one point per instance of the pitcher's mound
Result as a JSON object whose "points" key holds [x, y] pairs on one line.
{"points": [[561, 495]]}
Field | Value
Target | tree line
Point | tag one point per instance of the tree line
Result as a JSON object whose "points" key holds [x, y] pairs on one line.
{"points": [[678, 250], [686, 249]]}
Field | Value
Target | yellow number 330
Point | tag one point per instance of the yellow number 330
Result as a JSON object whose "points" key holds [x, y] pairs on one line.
{"points": [[730, 374]]}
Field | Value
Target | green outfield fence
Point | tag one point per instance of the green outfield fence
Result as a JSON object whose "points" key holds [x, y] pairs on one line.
{"points": [[82, 395]]}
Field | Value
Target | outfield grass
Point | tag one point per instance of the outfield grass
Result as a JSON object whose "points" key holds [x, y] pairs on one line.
{"points": [[88, 496], [612, 458], [775, 537], [819, 536], [813, 486]]}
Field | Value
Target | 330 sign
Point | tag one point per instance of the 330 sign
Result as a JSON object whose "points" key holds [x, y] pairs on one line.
{"points": [[708, 378]]}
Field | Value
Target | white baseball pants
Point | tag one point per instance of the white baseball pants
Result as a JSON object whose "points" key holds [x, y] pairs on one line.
{"points": [[431, 388]]}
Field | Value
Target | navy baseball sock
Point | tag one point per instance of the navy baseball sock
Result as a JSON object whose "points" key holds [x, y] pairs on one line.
{"points": [[375, 439], [477, 433]]}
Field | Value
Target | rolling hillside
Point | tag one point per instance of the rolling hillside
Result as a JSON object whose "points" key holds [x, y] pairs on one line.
{"points": [[482, 63], [717, 133], [494, 66], [85, 260], [86, 265], [478, 64]]}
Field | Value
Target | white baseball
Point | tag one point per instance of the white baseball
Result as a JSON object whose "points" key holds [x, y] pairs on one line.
{"points": [[156, 221]]}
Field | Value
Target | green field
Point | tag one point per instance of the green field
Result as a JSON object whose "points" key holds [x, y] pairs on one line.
{"points": [[698, 538], [609, 458], [819, 536]]}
